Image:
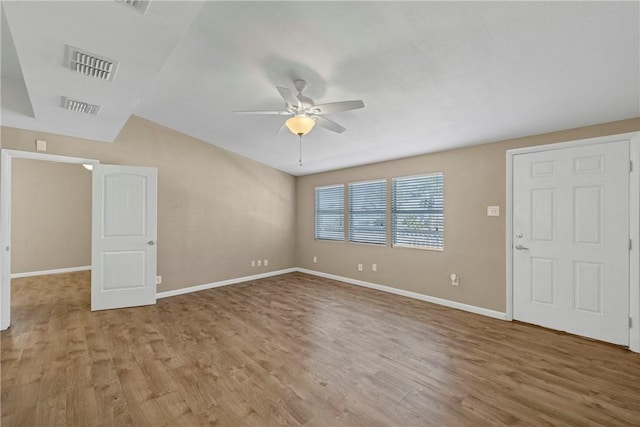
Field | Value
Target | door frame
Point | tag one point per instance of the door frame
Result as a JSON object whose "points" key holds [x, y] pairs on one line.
{"points": [[6, 156], [634, 222]]}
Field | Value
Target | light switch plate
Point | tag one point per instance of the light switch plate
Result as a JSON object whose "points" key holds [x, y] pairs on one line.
{"points": [[41, 145], [493, 210]]}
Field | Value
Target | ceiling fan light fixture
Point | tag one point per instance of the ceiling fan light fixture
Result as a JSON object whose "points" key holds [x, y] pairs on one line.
{"points": [[300, 125]]}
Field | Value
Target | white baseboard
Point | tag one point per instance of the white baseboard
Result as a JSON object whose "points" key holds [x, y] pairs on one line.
{"points": [[197, 288], [383, 288], [409, 294], [55, 271]]}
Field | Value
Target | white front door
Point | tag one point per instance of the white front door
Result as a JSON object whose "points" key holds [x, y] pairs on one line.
{"points": [[571, 240], [123, 237]]}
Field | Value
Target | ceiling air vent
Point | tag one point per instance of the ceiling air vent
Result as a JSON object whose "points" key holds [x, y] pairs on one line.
{"points": [[89, 64], [79, 106], [138, 5]]}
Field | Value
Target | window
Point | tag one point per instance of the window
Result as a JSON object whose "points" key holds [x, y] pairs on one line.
{"points": [[368, 212], [330, 213], [417, 214]]}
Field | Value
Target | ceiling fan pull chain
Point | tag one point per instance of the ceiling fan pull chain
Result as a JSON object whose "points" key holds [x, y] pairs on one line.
{"points": [[300, 158]]}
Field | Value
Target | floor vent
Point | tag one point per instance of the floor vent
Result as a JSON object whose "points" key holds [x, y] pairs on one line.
{"points": [[90, 64], [138, 5], [80, 106]]}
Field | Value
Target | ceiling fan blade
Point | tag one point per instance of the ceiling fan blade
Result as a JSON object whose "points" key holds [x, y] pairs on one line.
{"points": [[328, 124], [272, 112], [289, 97], [336, 107]]}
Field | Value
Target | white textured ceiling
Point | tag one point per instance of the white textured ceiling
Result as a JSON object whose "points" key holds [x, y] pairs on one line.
{"points": [[433, 75], [140, 43]]}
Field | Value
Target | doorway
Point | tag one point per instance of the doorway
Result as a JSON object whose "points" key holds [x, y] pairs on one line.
{"points": [[572, 217], [50, 219], [5, 220]]}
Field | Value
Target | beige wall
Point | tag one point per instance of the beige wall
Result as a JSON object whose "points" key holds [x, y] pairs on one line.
{"points": [[51, 216], [474, 243], [216, 210]]}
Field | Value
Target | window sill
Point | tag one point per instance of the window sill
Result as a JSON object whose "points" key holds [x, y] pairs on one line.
{"points": [[379, 245], [420, 248]]}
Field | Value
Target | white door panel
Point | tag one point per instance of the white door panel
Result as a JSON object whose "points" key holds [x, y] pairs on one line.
{"points": [[571, 231], [124, 235]]}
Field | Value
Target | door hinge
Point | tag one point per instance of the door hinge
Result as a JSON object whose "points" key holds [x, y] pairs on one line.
{"points": [[630, 322], [630, 166], [630, 244]]}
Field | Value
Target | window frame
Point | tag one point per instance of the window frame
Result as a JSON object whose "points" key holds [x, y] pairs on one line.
{"points": [[394, 212], [384, 212], [341, 211]]}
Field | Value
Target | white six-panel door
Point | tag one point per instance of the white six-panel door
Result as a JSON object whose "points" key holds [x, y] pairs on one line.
{"points": [[571, 240], [123, 237]]}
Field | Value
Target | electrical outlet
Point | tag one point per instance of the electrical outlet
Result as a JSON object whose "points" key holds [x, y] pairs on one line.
{"points": [[266, 262], [493, 210], [41, 145], [374, 267], [454, 279], [158, 280], [259, 262], [359, 267], [253, 263], [315, 259]]}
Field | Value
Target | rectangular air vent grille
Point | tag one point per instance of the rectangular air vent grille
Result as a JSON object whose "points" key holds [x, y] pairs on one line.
{"points": [[80, 106], [139, 5], [89, 64]]}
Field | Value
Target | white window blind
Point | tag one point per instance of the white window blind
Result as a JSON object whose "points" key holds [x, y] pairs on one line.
{"points": [[368, 212], [417, 214], [330, 213]]}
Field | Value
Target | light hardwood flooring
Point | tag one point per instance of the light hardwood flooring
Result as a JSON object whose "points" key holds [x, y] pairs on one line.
{"points": [[297, 350]]}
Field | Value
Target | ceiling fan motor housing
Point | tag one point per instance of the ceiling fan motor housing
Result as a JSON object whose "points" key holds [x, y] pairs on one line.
{"points": [[306, 102], [299, 84]]}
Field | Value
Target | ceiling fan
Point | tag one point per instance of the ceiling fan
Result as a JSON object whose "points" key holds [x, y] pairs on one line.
{"points": [[306, 114]]}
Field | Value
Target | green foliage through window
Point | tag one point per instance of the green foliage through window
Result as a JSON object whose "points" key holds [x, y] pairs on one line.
{"points": [[417, 213]]}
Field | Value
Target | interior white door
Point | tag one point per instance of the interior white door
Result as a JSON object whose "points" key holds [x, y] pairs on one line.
{"points": [[123, 236], [571, 240]]}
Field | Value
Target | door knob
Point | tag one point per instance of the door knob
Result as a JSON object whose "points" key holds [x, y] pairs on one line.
{"points": [[519, 235], [520, 248], [151, 243]]}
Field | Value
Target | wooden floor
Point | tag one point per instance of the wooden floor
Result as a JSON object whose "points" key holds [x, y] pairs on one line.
{"points": [[297, 350]]}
